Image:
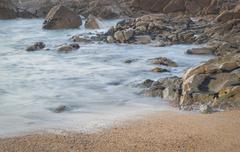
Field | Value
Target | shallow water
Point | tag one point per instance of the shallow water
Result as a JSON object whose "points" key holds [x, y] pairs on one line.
{"points": [[94, 83]]}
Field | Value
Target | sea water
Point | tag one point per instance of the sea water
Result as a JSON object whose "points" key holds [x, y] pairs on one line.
{"points": [[94, 83]]}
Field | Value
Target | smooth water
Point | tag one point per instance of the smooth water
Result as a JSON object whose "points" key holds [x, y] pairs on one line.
{"points": [[94, 83]]}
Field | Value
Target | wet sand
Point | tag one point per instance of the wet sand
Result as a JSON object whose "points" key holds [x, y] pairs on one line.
{"points": [[161, 132]]}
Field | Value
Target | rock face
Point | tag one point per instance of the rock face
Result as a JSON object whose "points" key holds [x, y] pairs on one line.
{"points": [[216, 83], [60, 17], [7, 10]]}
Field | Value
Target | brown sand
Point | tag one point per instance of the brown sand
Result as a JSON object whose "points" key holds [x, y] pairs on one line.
{"points": [[163, 132]]}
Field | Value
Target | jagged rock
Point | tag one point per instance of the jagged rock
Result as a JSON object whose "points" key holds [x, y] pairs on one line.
{"points": [[163, 61], [60, 17], [36, 46], [92, 22]]}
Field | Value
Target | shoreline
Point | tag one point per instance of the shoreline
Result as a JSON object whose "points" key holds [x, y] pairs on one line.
{"points": [[162, 131]]}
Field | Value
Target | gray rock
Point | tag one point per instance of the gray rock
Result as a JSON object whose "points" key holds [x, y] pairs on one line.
{"points": [[36, 46]]}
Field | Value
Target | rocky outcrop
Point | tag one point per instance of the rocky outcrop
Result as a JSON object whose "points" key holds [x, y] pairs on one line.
{"points": [[161, 29], [60, 17], [216, 83], [7, 10]]}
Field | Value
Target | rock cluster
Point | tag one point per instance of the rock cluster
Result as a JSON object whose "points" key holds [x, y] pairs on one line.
{"points": [[215, 83], [160, 28]]}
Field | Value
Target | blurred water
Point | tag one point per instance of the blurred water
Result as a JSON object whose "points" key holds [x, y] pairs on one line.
{"points": [[93, 82]]}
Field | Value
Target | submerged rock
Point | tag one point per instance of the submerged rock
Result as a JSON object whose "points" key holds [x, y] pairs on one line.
{"points": [[60, 109], [200, 51], [60, 17], [68, 48], [163, 61], [36, 46], [159, 70]]}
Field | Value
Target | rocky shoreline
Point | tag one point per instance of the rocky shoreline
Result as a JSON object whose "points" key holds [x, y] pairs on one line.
{"points": [[214, 84]]}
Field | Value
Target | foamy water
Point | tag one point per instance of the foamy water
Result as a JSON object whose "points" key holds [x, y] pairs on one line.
{"points": [[93, 82]]}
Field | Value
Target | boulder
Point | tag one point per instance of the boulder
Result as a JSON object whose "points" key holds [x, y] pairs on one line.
{"points": [[163, 61], [92, 22], [60, 17], [7, 10], [68, 48], [159, 70], [166, 88], [36, 46]]}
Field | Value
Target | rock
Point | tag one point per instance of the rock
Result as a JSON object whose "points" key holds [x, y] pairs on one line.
{"points": [[68, 48], [81, 39], [7, 10], [200, 51], [166, 88], [92, 22], [36, 46], [163, 61], [227, 15], [128, 61], [147, 83], [60, 17], [214, 83], [128, 34], [205, 109], [119, 36], [145, 39], [159, 70], [110, 39], [60, 109]]}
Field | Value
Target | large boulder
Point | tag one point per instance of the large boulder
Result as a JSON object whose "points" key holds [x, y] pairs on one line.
{"points": [[215, 83], [7, 10], [60, 17]]}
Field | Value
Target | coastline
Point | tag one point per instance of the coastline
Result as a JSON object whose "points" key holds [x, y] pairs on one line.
{"points": [[163, 131]]}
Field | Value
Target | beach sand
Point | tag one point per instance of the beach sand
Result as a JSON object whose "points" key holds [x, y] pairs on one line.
{"points": [[160, 132]]}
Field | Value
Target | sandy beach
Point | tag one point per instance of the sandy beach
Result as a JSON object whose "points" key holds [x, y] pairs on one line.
{"points": [[164, 132]]}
